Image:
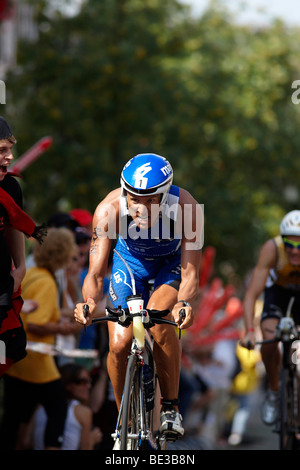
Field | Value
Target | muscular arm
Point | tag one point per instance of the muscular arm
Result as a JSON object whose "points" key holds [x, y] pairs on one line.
{"points": [[266, 261], [192, 223], [105, 226]]}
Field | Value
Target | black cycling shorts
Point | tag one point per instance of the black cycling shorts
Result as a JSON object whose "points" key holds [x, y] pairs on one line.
{"points": [[276, 302]]}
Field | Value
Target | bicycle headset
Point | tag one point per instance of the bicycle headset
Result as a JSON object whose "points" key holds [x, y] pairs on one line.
{"points": [[147, 174]]}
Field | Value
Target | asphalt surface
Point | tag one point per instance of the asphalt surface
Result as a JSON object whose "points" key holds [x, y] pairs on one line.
{"points": [[257, 436]]}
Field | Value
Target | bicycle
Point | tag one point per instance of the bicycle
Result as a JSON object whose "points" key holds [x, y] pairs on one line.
{"points": [[135, 427], [288, 425]]}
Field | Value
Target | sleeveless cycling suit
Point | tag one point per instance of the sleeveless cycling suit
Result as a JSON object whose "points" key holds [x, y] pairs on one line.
{"points": [[152, 254], [283, 283], [284, 274]]}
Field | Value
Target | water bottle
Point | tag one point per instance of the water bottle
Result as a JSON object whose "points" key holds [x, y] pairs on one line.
{"points": [[148, 386]]}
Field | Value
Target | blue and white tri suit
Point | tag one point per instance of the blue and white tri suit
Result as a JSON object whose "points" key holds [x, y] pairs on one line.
{"points": [[152, 254]]}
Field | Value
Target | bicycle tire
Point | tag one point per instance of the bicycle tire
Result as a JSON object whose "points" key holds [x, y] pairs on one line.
{"points": [[150, 414], [288, 407], [130, 410], [155, 441]]}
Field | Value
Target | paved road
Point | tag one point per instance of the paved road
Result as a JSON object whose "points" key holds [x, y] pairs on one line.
{"points": [[258, 436]]}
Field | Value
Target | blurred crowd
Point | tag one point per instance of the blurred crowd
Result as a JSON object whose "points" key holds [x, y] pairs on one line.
{"points": [[51, 400], [54, 400], [218, 381]]}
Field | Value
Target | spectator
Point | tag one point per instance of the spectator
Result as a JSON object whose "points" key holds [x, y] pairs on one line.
{"points": [[71, 295], [73, 281], [195, 397], [59, 220], [103, 404], [96, 336], [215, 364], [62, 219], [78, 433], [83, 240], [36, 378], [244, 383], [84, 219], [14, 223]]}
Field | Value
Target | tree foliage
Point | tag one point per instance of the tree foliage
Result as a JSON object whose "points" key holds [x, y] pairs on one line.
{"points": [[123, 77]]}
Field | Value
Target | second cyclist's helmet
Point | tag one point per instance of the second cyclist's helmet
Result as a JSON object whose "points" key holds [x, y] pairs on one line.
{"points": [[290, 224], [147, 174]]}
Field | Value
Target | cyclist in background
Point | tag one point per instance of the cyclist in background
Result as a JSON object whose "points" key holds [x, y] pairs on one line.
{"points": [[150, 216], [277, 273]]}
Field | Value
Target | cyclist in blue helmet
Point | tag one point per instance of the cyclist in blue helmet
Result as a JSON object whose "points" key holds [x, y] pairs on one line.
{"points": [[158, 227]]}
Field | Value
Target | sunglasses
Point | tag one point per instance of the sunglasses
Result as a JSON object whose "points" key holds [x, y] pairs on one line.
{"points": [[82, 381], [290, 244]]}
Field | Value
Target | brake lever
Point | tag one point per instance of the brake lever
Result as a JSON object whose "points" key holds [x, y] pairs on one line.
{"points": [[86, 310], [181, 318]]}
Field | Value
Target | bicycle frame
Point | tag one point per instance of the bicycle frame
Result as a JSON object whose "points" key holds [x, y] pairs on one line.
{"points": [[289, 407], [142, 433], [140, 353]]}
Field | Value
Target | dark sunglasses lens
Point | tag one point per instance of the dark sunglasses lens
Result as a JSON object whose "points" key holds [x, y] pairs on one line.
{"points": [[291, 245], [82, 381]]}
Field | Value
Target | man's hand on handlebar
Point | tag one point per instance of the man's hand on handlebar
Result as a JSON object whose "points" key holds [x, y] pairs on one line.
{"points": [[183, 321], [79, 314], [248, 341]]}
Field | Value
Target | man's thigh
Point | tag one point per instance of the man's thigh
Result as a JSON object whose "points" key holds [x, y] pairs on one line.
{"points": [[163, 297], [268, 327]]}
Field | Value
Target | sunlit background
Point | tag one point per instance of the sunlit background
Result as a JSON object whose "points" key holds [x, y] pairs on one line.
{"points": [[206, 84]]}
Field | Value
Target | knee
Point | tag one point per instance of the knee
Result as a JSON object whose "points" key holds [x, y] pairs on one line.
{"points": [[161, 335], [268, 329], [118, 351]]}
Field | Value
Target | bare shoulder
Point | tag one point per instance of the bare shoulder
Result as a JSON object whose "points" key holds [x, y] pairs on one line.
{"points": [[185, 197], [268, 254], [110, 204], [83, 413]]}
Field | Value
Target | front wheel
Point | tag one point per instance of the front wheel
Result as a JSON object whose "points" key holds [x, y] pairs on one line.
{"points": [[131, 407]]}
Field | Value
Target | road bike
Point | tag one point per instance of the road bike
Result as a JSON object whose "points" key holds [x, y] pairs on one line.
{"points": [[137, 426], [288, 424]]}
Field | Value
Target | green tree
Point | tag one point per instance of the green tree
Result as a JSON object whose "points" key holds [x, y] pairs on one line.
{"points": [[239, 131], [95, 83], [128, 76]]}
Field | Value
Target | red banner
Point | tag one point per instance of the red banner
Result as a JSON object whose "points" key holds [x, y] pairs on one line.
{"points": [[31, 155]]}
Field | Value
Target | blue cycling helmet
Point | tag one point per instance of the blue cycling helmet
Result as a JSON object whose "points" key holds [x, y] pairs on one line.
{"points": [[147, 174]]}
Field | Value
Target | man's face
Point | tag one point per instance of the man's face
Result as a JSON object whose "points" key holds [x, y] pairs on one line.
{"points": [[143, 209], [6, 157], [292, 249]]}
